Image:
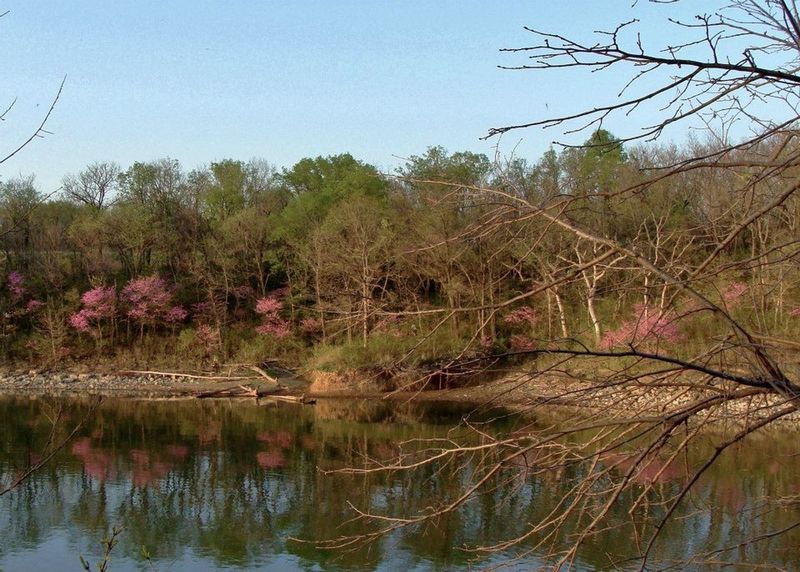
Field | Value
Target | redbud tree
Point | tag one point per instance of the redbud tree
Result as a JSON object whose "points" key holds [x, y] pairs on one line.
{"points": [[150, 301], [99, 309]]}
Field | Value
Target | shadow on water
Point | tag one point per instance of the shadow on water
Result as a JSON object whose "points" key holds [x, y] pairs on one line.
{"points": [[214, 484]]}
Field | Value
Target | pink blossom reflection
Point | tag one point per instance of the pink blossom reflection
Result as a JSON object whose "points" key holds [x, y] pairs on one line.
{"points": [[281, 439], [271, 459], [179, 452], [145, 470], [97, 463]]}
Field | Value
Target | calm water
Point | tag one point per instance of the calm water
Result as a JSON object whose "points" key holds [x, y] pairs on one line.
{"points": [[206, 485]]}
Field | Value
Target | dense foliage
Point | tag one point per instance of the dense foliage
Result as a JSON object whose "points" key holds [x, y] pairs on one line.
{"points": [[334, 263]]}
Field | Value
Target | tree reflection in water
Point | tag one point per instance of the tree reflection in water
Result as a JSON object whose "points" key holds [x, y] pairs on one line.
{"points": [[205, 484]]}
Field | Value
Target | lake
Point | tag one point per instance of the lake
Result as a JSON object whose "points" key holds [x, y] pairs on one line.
{"points": [[216, 484]]}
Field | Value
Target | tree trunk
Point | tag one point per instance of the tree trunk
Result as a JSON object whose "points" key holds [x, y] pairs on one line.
{"points": [[562, 316], [590, 307]]}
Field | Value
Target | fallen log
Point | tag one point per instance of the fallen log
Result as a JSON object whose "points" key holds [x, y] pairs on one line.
{"points": [[264, 374], [225, 392], [174, 374], [286, 398], [271, 394]]}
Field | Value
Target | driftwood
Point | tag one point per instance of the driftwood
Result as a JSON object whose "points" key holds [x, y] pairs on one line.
{"points": [[290, 398], [247, 391], [235, 391], [264, 374], [275, 393], [187, 375]]}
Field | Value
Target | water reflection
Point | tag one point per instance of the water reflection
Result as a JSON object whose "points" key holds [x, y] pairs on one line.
{"points": [[208, 485]]}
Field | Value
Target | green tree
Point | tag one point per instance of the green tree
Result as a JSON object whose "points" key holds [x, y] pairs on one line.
{"points": [[318, 186], [18, 199], [358, 238], [441, 247]]}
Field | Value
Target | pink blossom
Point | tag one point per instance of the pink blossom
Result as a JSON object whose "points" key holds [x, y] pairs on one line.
{"points": [[268, 306], [33, 305], [147, 297], [208, 337], [271, 322], [521, 316], [795, 312], [522, 343], [732, 294], [310, 325], [175, 315], [149, 300], [278, 328], [650, 325], [15, 283], [100, 302], [80, 321]]}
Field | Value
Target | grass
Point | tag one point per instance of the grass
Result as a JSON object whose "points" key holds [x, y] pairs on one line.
{"points": [[387, 350]]}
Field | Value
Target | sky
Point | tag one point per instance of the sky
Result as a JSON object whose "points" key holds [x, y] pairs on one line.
{"points": [[201, 81]]}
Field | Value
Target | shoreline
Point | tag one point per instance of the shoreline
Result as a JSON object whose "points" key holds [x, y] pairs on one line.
{"points": [[35, 382], [520, 392], [177, 385]]}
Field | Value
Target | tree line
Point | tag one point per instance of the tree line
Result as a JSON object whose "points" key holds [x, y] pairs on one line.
{"points": [[442, 258]]}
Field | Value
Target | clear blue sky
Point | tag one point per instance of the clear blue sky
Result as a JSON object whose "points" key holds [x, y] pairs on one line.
{"points": [[200, 81]]}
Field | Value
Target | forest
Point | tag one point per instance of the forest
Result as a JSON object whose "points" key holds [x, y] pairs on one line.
{"points": [[333, 265]]}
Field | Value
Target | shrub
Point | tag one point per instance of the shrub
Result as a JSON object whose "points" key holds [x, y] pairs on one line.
{"points": [[259, 349], [383, 350]]}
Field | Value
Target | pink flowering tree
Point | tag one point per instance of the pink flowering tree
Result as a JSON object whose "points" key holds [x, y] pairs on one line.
{"points": [[522, 321], [648, 327], [272, 324], [311, 325], [99, 308], [209, 339], [151, 301], [175, 315], [208, 318], [17, 304], [732, 294], [16, 285]]}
